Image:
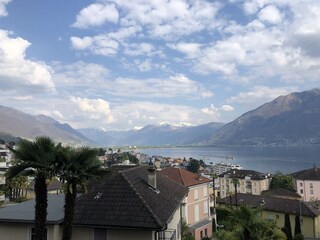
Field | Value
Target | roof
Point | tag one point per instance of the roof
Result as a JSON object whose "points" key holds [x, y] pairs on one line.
{"points": [[281, 192], [242, 174], [127, 201], [184, 177], [307, 174], [25, 212], [274, 204]]}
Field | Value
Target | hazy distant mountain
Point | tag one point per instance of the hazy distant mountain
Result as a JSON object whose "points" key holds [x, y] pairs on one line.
{"points": [[20, 124], [287, 120], [152, 135]]}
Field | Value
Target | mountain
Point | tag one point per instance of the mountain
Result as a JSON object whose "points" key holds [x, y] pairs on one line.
{"points": [[19, 124], [153, 135], [288, 120]]}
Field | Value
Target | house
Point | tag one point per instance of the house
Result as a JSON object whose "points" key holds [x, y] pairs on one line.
{"points": [[196, 206], [249, 181], [17, 221], [276, 208], [307, 183], [136, 203]]}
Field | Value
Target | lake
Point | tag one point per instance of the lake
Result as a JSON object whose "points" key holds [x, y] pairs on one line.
{"points": [[262, 159]]}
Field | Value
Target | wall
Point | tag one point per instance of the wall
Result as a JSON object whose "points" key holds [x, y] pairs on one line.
{"points": [[309, 190]]}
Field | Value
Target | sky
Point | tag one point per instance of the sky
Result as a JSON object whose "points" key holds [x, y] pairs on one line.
{"points": [[123, 64]]}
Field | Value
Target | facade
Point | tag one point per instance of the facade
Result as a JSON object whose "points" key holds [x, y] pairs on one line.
{"points": [[275, 208], [196, 206], [307, 183], [249, 181]]}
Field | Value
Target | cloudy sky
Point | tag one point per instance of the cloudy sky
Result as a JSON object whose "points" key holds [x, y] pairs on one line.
{"points": [[120, 64]]}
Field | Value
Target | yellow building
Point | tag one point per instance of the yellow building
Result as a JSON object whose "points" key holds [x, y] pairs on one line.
{"points": [[248, 181], [275, 208]]}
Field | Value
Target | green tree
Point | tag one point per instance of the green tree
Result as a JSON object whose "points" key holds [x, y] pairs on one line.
{"points": [[245, 223], [36, 158], [194, 166], [287, 226], [297, 227], [185, 234], [77, 167], [280, 180]]}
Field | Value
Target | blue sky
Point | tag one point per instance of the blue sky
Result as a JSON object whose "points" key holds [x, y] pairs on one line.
{"points": [[121, 64]]}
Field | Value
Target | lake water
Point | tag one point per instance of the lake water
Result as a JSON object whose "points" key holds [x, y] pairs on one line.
{"points": [[262, 159]]}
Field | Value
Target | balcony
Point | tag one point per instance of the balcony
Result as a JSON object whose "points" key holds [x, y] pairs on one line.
{"points": [[167, 235]]}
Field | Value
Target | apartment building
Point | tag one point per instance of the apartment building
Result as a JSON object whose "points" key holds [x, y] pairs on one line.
{"points": [[307, 183], [248, 181], [196, 206]]}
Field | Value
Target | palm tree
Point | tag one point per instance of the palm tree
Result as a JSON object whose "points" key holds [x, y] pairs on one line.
{"points": [[235, 182], [78, 166], [36, 158]]}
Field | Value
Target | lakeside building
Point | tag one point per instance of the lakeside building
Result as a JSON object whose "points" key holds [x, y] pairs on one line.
{"points": [[275, 208], [136, 203], [220, 168], [248, 181], [196, 206], [307, 183]]}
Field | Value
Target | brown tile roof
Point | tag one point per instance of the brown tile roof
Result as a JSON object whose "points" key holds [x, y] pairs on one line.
{"points": [[274, 204], [241, 174], [126, 201], [307, 174], [184, 177]]}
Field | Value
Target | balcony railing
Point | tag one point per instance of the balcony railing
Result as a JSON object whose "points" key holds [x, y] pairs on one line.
{"points": [[167, 235]]}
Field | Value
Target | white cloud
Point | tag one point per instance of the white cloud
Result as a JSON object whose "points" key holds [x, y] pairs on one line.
{"points": [[94, 109], [18, 73], [260, 94], [136, 49], [97, 45], [96, 14], [145, 66], [191, 50], [174, 86], [226, 108], [3, 10], [270, 14]]}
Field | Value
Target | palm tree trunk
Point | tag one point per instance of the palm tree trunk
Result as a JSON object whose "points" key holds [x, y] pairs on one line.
{"points": [[40, 188], [70, 200]]}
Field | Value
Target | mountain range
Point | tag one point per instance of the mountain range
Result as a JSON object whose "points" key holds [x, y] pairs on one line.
{"points": [[288, 120], [16, 123], [293, 119]]}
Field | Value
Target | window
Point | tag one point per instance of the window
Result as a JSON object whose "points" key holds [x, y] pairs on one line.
{"points": [[311, 185], [311, 191], [301, 184], [196, 212], [196, 194], [206, 232], [205, 191], [33, 235], [205, 207], [277, 216], [301, 191], [201, 234]]}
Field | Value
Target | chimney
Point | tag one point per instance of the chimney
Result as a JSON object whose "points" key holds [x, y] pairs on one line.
{"points": [[152, 177]]}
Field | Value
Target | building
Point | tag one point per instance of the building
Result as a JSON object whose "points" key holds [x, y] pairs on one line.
{"points": [[249, 181], [307, 183], [220, 168], [276, 208], [196, 206], [17, 221], [136, 203]]}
